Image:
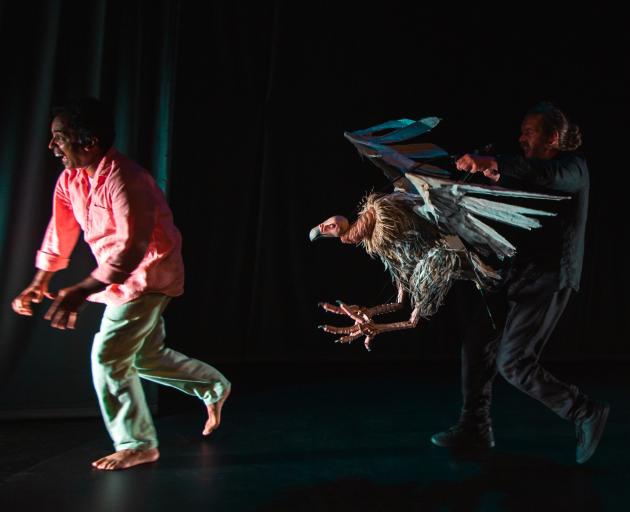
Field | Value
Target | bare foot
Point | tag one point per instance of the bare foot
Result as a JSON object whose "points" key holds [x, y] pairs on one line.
{"points": [[214, 414], [124, 459]]}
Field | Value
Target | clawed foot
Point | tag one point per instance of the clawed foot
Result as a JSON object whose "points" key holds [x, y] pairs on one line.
{"points": [[363, 323], [125, 459], [214, 414]]}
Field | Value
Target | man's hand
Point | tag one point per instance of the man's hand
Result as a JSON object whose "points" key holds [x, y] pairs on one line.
{"points": [[34, 292], [65, 309], [477, 163]]}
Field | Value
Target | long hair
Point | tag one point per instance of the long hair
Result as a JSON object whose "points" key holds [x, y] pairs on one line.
{"points": [[554, 120]]}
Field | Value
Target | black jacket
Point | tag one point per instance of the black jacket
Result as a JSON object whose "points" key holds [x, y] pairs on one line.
{"points": [[559, 247]]}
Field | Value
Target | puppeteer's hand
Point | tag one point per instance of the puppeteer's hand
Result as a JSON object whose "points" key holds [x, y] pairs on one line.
{"points": [[477, 163], [34, 292]]}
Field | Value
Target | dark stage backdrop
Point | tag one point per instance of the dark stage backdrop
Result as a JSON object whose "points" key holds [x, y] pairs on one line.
{"points": [[240, 109]]}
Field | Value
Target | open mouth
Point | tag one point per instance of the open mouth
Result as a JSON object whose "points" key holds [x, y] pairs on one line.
{"points": [[59, 154]]}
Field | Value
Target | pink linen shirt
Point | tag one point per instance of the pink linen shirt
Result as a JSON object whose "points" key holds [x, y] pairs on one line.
{"points": [[126, 222]]}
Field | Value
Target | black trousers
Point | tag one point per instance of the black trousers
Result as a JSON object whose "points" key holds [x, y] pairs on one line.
{"points": [[526, 311]]}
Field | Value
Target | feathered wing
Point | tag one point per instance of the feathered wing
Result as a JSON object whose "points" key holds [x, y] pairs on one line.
{"points": [[453, 206], [417, 231], [397, 159]]}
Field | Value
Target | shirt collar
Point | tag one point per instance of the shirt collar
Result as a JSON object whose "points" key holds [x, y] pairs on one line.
{"points": [[105, 164]]}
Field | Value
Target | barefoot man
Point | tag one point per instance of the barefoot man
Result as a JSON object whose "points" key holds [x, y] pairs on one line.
{"points": [[129, 228]]}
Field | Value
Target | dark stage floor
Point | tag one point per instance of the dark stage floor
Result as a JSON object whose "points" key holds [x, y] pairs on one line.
{"points": [[331, 438]]}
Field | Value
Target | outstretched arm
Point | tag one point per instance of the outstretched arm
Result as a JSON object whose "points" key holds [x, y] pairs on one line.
{"points": [[33, 293], [566, 173], [54, 255], [64, 310]]}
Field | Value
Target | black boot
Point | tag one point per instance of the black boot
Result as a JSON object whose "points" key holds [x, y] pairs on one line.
{"points": [[463, 435], [589, 431]]}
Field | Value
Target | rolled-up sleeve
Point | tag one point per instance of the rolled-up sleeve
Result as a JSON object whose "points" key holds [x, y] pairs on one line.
{"points": [[134, 212], [62, 232]]}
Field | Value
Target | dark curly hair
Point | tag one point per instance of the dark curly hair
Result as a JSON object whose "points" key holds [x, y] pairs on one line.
{"points": [[90, 119], [554, 120]]}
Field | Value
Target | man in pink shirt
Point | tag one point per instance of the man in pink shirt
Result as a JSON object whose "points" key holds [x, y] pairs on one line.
{"points": [[129, 227]]}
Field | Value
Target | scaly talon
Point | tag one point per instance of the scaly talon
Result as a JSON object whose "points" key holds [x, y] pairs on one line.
{"points": [[364, 324]]}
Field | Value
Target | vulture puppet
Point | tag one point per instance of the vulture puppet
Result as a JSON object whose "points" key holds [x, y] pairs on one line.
{"points": [[427, 232]]}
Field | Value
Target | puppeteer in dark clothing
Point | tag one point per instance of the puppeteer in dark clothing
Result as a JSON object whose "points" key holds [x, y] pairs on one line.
{"points": [[535, 290], [533, 296]]}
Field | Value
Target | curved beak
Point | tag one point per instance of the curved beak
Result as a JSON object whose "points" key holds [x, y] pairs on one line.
{"points": [[315, 233]]}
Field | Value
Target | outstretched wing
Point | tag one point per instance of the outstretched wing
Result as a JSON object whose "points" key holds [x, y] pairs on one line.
{"points": [[456, 209], [453, 206], [394, 159]]}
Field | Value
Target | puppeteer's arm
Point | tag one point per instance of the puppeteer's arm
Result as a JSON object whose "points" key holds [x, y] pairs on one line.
{"points": [[565, 173]]}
